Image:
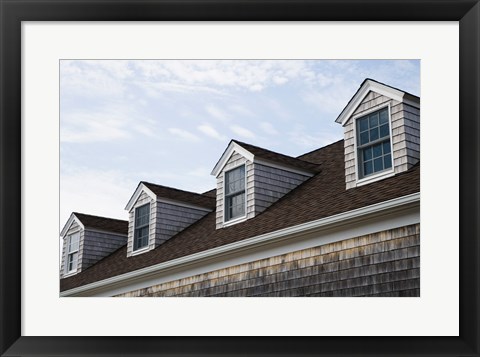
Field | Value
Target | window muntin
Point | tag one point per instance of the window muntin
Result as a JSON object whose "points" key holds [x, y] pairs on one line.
{"points": [[142, 220], [235, 193], [373, 143], [73, 244]]}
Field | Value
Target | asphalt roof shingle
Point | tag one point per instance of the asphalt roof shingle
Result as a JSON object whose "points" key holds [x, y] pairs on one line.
{"points": [[202, 200], [103, 223], [280, 158], [320, 196]]}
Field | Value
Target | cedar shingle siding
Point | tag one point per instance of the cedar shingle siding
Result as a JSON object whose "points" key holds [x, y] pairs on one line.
{"points": [[381, 264]]}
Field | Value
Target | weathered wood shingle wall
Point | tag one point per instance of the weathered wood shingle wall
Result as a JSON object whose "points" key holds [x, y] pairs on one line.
{"points": [[405, 122], [172, 219], [381, 264], [97, 245], [271, 184]]}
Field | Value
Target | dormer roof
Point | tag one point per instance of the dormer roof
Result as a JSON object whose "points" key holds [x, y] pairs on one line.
{"points": [[86, 221], [256, 154], [371, 85], [171, 194]]}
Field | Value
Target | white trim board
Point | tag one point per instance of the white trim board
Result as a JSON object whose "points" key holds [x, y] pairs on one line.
{"points": [[70, 221], [141, 188], [376, 87], [393, 213]]}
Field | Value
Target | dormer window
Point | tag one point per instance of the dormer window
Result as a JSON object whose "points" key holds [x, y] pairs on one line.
{"points": [[142, 220], [72, 246], [373, 143], [235, 193]]}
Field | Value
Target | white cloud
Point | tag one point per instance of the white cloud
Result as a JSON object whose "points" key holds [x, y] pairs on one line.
{"points": [[313, 141], [94, 127], [243, 132], [184, 134], [216, 112], [268, 128], [97, 192], [113, 122], [241, 110], [211, 132]]}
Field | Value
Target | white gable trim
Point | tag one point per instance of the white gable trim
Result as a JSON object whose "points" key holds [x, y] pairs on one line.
{"points": [[69, 223], [233, 147], [141, 188], [376, 87]]}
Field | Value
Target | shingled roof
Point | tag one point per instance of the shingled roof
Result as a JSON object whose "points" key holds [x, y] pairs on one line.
{"points": [[272, 156], [202, 200], [103, 223], [321, 196]]}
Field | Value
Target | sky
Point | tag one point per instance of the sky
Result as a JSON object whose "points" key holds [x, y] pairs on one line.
{"points": [[169, 121]]}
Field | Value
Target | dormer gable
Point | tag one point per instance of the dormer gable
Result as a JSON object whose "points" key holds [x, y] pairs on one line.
{"points": [[87, 239], [157, 213], [381, 133], [250, 179]]}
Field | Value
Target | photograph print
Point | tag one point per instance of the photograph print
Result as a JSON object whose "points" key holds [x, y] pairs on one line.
{"points": [[239, 178]]}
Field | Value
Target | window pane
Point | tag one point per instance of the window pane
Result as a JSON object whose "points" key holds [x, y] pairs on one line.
{"points": [[377, 150], [378, 164], [363, 124], [374, 120], [72, 262], [364, 138], [367, 168], [367, 154], [374, 134], [384, 116], [386, 147], [235, 180], [73, 242], [384, 130], [235, 206], [387, 160]]}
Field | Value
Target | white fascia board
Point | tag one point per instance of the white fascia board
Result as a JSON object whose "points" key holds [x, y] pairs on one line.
{"points": [[141, 188], [69, 223], [356, 215], [379, 88], [232, 148]]}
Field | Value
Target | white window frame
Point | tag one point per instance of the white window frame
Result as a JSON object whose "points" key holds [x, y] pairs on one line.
{"points": [[68, 253], [145, 247], [237, 219], [381, 174]]}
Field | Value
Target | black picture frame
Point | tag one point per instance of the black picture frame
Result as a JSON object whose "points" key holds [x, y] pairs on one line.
{"points": [[13, 12]]}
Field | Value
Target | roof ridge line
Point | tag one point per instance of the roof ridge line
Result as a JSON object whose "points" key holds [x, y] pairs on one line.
{"points": [[177, 189]]}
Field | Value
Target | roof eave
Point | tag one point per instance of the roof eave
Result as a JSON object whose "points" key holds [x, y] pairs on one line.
{"points": [[322, 223]]}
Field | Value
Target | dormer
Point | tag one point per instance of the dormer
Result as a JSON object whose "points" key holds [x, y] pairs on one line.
{"points": [[87, 239], [250, 179], [381, 131], [157, 213]]}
